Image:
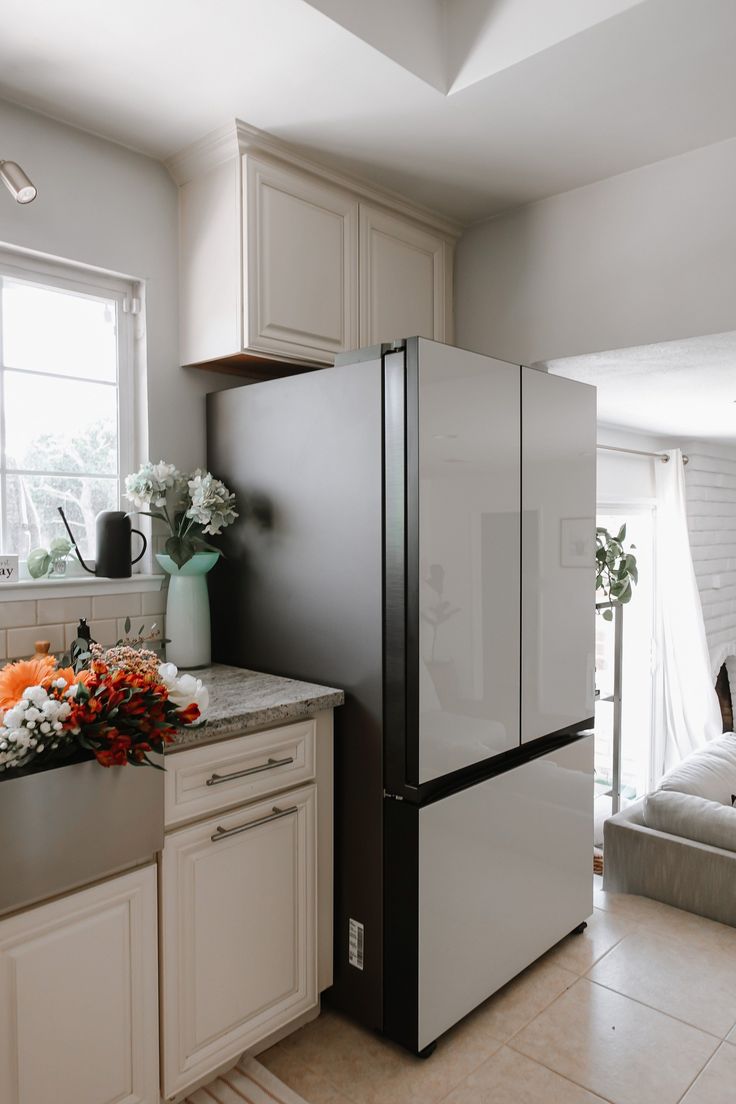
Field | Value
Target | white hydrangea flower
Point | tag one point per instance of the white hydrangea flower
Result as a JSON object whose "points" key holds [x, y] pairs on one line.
{"points": [[150, 485], [212, 504]]}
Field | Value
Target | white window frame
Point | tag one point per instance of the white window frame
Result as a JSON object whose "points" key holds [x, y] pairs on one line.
{"points": [[127, 296]]}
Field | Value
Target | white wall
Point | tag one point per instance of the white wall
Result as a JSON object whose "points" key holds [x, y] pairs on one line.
{"points": [[646, 256], [103, 205], [710, 479]]}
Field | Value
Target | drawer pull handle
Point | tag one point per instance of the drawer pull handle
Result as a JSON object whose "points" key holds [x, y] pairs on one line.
{"points": [[216, 779], [223, 833]]}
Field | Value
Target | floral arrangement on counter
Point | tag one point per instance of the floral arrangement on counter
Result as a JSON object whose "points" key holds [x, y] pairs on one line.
{"points": [[122, 705], [189, 505]]}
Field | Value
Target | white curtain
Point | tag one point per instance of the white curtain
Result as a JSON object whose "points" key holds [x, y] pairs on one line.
{"points": [[687, 710]]}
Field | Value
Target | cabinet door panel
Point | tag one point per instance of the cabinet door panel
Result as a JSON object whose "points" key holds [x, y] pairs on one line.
{"points": [[558, 551], [300, 263], [239, 932], [79, 997], [403, 276]]}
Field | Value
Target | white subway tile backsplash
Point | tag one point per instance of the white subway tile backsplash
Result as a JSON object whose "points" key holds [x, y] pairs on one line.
{"points": [[103, 631], [56, 619], [147, 624], [116, 605], [15, 615], [154, 602], [51, 610], [22, 642]]}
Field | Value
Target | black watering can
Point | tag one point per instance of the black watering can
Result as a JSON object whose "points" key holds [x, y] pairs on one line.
{"points": [[114, 552]]}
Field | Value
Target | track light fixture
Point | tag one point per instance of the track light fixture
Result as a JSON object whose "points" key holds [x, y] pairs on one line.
{"points": [[17, 183]]}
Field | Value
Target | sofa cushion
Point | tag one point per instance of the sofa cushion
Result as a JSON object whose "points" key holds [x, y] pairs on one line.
{"points": [[693, 818], [709, 772]]}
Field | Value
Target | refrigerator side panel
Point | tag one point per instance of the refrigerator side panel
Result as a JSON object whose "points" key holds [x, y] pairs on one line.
{"points": [[558, 553], [504, 873], [300, 593]]}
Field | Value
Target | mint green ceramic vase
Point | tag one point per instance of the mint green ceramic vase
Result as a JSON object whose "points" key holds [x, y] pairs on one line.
{"points": [[188, 610]]}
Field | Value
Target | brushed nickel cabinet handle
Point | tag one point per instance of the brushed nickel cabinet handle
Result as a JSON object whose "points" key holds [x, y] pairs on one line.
{"points": [[223, 833], [216, 779]]}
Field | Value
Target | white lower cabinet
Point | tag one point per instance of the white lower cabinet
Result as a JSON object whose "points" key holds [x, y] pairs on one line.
{"points": [[79, 997], [239, 941]]}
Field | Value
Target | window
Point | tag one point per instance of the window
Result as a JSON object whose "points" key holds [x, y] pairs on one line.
{"points": [[66, 398], [637, 692]]}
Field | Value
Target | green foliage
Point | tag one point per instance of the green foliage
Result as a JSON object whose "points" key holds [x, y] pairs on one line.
{"points": [[616, 571]]}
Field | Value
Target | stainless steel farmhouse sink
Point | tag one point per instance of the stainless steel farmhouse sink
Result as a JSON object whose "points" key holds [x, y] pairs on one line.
{"points": [[66, 827]]}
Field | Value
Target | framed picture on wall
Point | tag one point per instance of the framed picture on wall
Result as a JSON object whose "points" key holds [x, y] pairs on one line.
{"points": [[577, 542]]}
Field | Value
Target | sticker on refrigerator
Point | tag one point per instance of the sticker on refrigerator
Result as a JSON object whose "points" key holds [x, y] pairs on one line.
{"points": [[356, 942]]}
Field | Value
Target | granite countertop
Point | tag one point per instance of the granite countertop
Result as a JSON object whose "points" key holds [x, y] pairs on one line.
{"points": [[242, 700]]}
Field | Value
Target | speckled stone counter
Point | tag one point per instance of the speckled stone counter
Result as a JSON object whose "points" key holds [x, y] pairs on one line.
{"points": [[242, 700]]}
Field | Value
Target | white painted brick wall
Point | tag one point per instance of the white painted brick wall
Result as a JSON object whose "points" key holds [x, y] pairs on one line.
{"points": [[710, 479], [55, 619]]}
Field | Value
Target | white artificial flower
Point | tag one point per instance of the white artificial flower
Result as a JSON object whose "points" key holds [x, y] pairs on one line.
{"points": [[184, 689], [14, 717], [212, 504], [35, 694], [150, 484]]}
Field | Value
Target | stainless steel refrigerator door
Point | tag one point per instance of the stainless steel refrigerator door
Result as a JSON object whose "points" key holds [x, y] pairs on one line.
{"points": [[468, 443], [504, 873], [558, 553]]}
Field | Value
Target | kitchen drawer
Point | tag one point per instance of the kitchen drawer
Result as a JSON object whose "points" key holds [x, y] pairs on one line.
{"points": [[206, 779]]}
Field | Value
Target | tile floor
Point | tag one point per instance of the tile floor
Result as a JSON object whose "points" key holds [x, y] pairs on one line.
{"points": [[641, 1009]]}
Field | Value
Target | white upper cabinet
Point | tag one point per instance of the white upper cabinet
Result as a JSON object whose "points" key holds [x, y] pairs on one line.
{"points": [[300, 263], [284, 262], [405, 284]]}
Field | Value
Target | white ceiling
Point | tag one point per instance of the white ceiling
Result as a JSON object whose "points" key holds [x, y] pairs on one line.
{"points": [[469, 106], [682, 389]]}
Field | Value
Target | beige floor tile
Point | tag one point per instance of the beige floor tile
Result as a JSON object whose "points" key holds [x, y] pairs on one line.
{"points": [[673, 922], [694, 982], [367, 1069], [717, 1083], [514, 1006], [579, 952], [731, 1037], [510, 1078], [624, 1051], [295, 1073]]}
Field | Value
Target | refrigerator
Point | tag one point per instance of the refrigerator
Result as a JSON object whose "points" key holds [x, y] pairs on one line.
{"points": [[417, 527]]}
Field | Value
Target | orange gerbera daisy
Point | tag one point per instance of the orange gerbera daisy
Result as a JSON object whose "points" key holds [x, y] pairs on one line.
{"points": [[70, 675], [16, 677]]}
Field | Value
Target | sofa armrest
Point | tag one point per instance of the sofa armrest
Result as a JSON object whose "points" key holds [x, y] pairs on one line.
{"points": [[680, 872]]}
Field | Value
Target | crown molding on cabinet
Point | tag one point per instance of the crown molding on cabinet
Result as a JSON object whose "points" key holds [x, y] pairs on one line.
{"points": [[235, 139]]}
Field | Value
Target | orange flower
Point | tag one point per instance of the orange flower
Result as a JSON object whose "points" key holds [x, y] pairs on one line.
{"points": [[17, 677], [70, 675]]}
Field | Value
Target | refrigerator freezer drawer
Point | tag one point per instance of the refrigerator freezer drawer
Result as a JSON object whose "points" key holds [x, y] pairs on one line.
{"points": [[505, 871]]}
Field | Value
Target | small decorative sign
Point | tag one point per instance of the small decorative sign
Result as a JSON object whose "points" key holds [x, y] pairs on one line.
{"points": [[8, 569]]}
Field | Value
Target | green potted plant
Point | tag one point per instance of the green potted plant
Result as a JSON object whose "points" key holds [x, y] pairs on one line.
{"points": [[52, 561], [616, 568]]}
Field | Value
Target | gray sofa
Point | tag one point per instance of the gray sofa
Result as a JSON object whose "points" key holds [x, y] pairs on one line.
{"points": [[678, 845]]}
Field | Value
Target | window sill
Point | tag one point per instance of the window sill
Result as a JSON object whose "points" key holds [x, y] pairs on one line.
{"points": [[77, 586]]}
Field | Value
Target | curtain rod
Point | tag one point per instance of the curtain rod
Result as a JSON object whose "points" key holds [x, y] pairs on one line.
{"points": [[640, 452]]}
